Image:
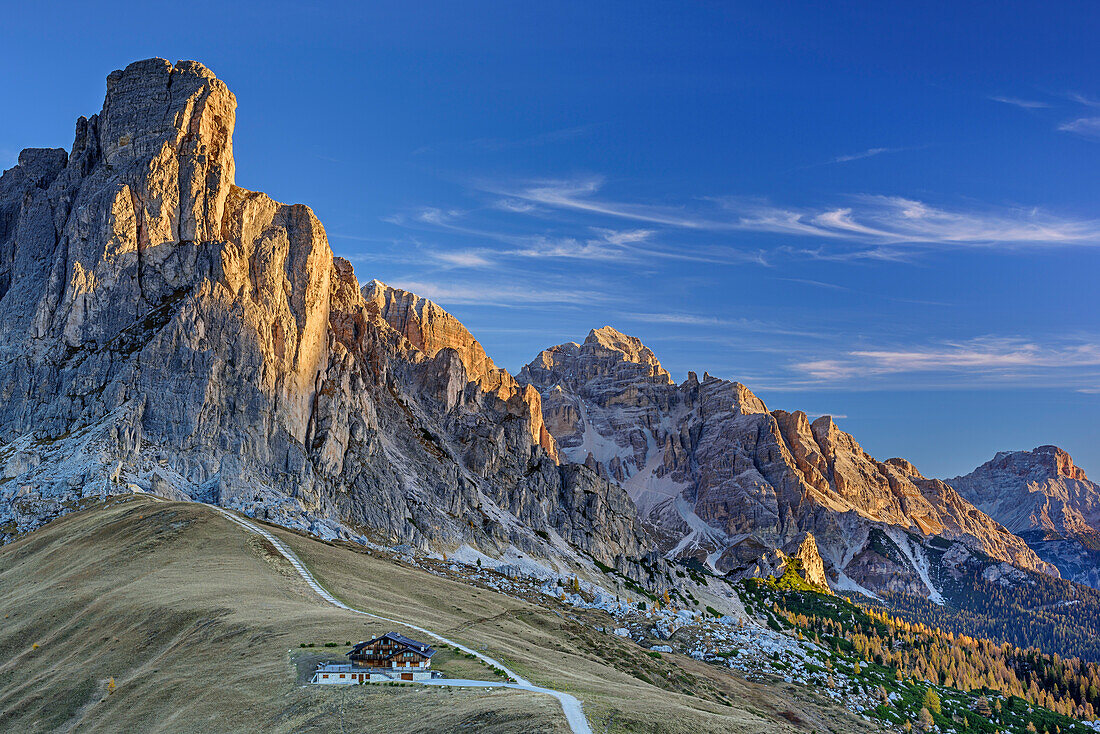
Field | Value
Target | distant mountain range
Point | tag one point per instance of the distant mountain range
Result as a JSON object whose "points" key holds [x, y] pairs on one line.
{"points": [[164, 330], [725, 481]]}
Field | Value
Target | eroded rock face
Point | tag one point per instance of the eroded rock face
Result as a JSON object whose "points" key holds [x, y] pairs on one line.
{"points": [[1045, 498], [430, 329], [728, 482], [813, 568], [165, 330]]}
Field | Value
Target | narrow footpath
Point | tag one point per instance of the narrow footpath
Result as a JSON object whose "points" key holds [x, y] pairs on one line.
{"points": [[569, 704]]}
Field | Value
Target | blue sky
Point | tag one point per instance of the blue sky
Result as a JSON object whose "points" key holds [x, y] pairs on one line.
{"points": [[888, 214]]}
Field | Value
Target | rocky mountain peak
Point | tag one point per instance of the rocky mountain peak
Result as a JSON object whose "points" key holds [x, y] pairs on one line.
{"points": [[1060, 461], [630, 347], [427, 326], [813, 568], [905, 467], [738, 487], [1044, 497], [164, 330], [1043, 463], [430, 330], [1041, 488]]}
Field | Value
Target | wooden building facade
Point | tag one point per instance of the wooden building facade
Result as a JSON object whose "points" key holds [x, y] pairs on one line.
{"points": [[392, 650]]}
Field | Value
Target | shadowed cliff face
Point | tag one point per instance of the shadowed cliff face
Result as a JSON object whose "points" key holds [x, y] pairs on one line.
{"points": [[729, 482], [164, 329]]}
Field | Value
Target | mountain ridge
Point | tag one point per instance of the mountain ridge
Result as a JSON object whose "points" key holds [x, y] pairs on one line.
{"points": [[1048, 500], [164, 330], [727, 481]]}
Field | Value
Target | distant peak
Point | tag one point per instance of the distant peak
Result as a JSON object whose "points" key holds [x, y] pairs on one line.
{"points": [[385, 298], [905, 467], [1059, 462], [1051, 461], [630, 346], [376, 289]]}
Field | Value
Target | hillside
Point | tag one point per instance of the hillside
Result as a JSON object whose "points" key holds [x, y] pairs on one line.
{"points": [[199, 625]]}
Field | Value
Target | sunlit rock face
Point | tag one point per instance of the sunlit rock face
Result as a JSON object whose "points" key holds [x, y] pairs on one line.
{"points": [[163, 329], [1045, 498], [727, 482], [430, 329]]}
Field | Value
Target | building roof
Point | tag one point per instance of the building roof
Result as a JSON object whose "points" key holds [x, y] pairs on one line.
{"points": [[406, 642]]}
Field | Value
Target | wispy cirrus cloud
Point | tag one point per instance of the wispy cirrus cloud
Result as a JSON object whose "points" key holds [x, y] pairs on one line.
{"points": [[494, 294], [895, 220], [1084, 99], [597, 243], [1027, 104], [869, 153], [516, 206], [990, 358], [873, 219], [607, 245], [462, 258], [602, 244], [1088, 127], [577, 194], [727, 325], [816, 283]]}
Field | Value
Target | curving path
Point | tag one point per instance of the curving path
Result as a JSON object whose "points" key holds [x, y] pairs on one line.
{"points": [[569, 704]]}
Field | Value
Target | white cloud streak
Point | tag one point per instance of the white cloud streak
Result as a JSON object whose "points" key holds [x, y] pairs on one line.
{"points": [[1027, 104], [1088, 127], [484, 294], [869, 153], [869, 219], [894, 220], [1084, 99], [999, 358]]}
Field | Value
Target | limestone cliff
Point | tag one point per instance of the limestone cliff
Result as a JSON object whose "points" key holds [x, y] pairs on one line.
{"points": [[163, 329], [729, 482], [430, 329], [1045, 498]]}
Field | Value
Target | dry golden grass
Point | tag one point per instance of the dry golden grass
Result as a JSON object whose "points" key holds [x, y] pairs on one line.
{"points": [[199, 624]]}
